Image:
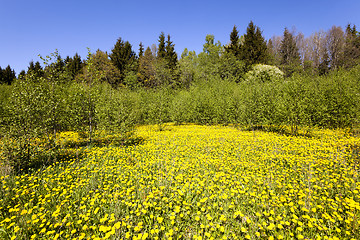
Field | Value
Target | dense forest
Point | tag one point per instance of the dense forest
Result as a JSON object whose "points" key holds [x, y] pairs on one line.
{"points": [[282, 83]]}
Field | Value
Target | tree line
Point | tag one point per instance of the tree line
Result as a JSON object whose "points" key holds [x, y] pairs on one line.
{"points": [[159, 64]]}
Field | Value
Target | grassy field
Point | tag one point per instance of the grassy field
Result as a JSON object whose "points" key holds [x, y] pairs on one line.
{"points": [[193, 182]]}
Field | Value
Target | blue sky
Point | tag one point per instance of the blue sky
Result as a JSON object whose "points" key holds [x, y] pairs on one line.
{"points": [[29, 28]]}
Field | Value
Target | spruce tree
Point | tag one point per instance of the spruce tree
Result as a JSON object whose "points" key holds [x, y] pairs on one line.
{"points": [[1, 76], [74, 65], [324, 64], [35, 69], [271, 53], [147, 71], [254, 49], [170, 54], [8, 75], [352, 47], [234, 46], [289, 54], [123, 57], [22, 74], [38, 70], [31, 67], [161, 49], [171, 62], [141, 50]]}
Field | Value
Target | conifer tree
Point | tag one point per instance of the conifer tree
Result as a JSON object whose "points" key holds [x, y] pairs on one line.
{"points": [[59, 65], [22, 74], [141, 50], [38, 70], [234, 47], [8, 75], [1, 76], [352, 46], [170, 54], [289, 54], [147, 71], [123, 57], [271, 53], [172, 62], [74, 65], [31, 67], [324, 64], [254, 49], [35, 69], [161, 49]]}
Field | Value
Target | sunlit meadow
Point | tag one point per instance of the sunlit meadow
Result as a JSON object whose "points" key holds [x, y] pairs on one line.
{"points": [[192, 182]]}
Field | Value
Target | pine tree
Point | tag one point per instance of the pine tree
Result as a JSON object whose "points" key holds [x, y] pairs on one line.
{"points": [[254, 49], [234, 47], [289, 54], [161, 49], [123, 57]]}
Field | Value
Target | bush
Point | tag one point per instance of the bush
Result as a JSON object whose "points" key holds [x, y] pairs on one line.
{"points": [[264, 73]]}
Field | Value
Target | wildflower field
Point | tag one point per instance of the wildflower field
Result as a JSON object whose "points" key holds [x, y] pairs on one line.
{"points": [[193, 182]]}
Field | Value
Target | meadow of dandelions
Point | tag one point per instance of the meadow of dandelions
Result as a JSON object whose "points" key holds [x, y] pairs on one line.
{"points": [[193, 182]]}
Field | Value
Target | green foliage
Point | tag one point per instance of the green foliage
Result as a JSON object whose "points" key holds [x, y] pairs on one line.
{"points": [[113, 110], [37, 109], [161, 53], [74, 65], [141, 50], [264, 73], [253, 49], [187, 68], [231, 68], [35, 69], [105, 70], [208, 61], [352, 47], [7, 75], [234, 46], [5, 93], [147, 71], [124, 58], [289, 54]]}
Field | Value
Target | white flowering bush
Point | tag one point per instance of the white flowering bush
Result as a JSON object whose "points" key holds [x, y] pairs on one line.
{"points": [[264, 73]]}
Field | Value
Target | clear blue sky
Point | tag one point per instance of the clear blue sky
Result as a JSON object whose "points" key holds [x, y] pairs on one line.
{"points": [[29, 28]]}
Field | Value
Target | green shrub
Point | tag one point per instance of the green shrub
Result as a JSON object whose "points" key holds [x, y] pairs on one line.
{"points": [[264, 73]]}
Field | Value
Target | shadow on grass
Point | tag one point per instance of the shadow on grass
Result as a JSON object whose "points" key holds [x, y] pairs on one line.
{"points": [[282, 130], [27, 158]]}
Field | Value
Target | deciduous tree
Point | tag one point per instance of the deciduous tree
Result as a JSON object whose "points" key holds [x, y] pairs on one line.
{"points": [[335, 43]]}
